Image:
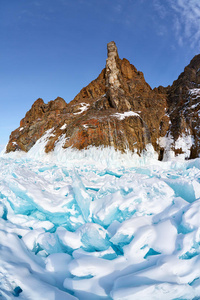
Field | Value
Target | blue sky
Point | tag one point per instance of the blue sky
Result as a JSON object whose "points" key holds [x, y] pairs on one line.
{"points": [[53, 48]]}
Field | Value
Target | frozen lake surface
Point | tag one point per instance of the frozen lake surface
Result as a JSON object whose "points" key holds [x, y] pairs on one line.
{"points": [[89, 231]]}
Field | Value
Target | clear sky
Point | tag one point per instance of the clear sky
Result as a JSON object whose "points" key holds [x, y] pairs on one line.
{"points": [[53, 48]]}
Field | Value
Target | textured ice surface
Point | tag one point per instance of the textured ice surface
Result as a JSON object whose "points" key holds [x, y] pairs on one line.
{"points": [[99, 231]]}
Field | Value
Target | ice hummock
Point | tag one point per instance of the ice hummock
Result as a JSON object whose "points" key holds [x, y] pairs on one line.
{"points": [[98, 224], [105, 228]]}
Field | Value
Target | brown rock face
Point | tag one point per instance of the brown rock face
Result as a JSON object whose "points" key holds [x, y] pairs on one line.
{"points": [[117, 109], [184, 105]]}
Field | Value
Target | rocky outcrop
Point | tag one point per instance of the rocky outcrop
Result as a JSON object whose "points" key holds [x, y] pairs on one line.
{"points": [[118, 109], [183, 108]]}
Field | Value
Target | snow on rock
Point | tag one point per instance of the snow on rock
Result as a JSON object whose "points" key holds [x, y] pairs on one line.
{"points": [[184, 143], [122, 116], [39, 146], [194, 91], [83, 107], [63, 127], [99, 231], [166, 143]]}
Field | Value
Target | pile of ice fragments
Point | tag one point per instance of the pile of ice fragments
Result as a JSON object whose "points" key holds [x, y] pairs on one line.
{"points": [[91, 231]]}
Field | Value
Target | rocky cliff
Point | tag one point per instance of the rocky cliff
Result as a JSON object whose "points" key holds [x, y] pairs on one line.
{"points": [[120, 109], [184, 109]]}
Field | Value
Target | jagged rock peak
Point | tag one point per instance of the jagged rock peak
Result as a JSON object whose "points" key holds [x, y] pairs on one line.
{"points": [[114, 78], [112, 68], [120, 109], [112, 49]]}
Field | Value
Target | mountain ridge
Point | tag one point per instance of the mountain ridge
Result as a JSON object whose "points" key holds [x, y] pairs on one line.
{"points": [[120, 109]]}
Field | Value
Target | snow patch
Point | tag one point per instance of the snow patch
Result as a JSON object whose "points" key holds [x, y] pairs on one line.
{"points": [[122, 116], [85, 126], [38, 150], [166, 142], [84, 107], [63, 127], [194, 106], [194, 91], [185, 143]]}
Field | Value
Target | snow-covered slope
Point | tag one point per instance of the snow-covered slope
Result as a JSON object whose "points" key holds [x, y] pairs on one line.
{"points": [[82, 229]]}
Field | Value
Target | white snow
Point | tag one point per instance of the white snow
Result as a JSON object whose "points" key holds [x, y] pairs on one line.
{"points": [[84, 107], [122, 116], [194, 105], [63, 127], [194, 91], [101, 156], [184, 143], [85, 126], [166, 143]]}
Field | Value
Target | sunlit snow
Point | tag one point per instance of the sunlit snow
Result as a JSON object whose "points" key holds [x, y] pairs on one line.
{"points": [[122, 116], [99, 229], [63, 127], [84, 107], [194, 91]]}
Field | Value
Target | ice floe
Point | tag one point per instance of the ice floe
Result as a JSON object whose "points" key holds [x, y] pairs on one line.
{"points": [[106, 229]]}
